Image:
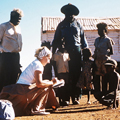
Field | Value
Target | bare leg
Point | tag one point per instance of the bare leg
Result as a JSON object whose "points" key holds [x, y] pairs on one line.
{"points": [[89, 92]]}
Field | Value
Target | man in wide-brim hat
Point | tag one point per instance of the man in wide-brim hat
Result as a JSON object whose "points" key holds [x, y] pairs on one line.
{"points": [[70, 34]]}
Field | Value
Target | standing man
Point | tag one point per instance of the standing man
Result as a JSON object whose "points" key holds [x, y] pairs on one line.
{"points": [[10, 46], [70, 34]]}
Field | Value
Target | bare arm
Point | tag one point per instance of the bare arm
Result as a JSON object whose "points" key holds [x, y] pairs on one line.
{"points": [[2, 30], [110, 44], [111, 51], [40, 83], [57, 39], [115, 91]]}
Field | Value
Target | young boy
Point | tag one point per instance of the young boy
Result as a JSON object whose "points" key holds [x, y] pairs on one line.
{"points": [[61, 57], [111, 85]]}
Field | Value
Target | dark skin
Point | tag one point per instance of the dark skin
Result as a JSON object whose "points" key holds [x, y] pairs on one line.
{"points": [[86, 57], [110, 70], [15, 19], [102, 32], [69, 17]]}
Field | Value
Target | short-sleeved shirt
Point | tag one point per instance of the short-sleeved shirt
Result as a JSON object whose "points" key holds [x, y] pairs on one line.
{"points": [[61, 62], [102, 47], [27, 76], [10, 38]]}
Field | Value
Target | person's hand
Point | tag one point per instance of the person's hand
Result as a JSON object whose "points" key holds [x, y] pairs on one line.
{"points": [[63, 81], [54, 80]]}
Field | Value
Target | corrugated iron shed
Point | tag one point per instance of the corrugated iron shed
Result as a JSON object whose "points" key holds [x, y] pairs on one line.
{"points": [[49, 24]]}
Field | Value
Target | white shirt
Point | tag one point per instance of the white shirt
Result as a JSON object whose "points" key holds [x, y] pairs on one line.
{"points": [[61, 61], [27, 76], [10, 38]]}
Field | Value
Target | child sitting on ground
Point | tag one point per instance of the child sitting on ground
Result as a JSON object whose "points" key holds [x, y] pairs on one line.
{"points": [[85, 76], [111, 86]]}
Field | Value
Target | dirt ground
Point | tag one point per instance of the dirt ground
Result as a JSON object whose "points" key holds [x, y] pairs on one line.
{"points": [[94, 111]]}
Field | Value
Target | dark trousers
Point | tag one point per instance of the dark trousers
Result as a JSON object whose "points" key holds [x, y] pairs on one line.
{"points": [[74, 72], [9, 68], [64, 92]]}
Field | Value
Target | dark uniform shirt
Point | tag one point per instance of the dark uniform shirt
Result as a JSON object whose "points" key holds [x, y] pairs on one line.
{"points": [[70, 34]]}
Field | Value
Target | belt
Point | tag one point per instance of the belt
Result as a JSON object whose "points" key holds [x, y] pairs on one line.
{"points": [[8, 53]]}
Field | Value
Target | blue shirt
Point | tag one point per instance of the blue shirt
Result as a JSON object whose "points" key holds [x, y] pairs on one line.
{"points": [[102, 47], [70, 34]]}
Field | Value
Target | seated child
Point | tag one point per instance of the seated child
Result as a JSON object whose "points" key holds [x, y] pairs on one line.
{"points": [[111, 86], [85, 76]]}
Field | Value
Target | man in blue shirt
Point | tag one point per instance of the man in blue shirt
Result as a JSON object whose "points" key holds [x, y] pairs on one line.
{"points": [[70, 34]]}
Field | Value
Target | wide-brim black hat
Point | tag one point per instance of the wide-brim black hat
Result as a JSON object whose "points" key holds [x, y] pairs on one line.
{"points": [[69, 8]]}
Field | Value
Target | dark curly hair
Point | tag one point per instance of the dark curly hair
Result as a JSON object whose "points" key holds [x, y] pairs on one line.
{"points": [[87, 51], [102, 26], [47, 44]]}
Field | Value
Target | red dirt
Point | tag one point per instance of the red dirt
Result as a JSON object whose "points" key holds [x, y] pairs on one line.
{"points": [[94, 111]]}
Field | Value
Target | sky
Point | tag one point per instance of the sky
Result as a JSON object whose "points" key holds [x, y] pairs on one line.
{"points": [[35, 9]]}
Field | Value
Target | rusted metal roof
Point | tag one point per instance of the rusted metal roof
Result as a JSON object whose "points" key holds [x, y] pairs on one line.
{"points": [[50, 23]]}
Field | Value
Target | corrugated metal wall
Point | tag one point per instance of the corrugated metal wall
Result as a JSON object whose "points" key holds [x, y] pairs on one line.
{"points": [[47, 34], [51, 23]]}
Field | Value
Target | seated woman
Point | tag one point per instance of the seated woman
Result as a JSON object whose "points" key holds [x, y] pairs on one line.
{"points": [[31, 94]]}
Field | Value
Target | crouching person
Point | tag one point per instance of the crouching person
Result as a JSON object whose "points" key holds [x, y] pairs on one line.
{"points": [[31, 94], [111, 86]]}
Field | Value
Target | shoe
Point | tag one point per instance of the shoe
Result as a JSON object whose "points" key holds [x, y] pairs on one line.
{"points": [[76, 102], [64, 103], [88, 102], [67, 102], [39, 113]]}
